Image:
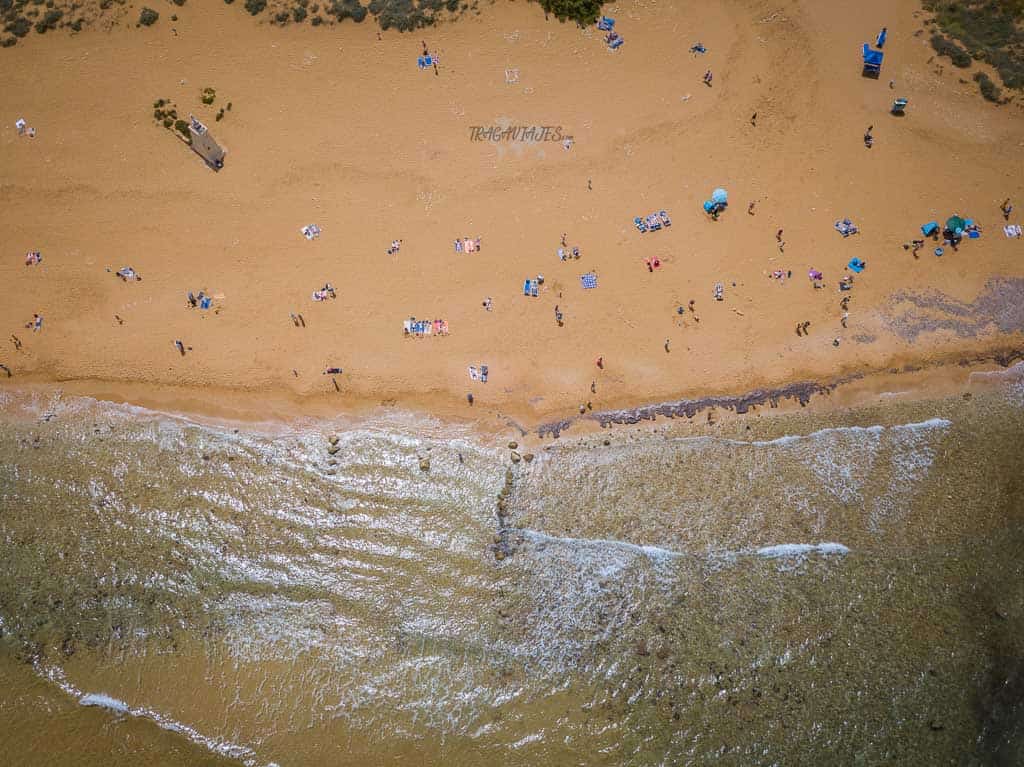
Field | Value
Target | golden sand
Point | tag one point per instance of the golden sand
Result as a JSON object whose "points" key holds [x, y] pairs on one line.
{"points": [[338, 127]]}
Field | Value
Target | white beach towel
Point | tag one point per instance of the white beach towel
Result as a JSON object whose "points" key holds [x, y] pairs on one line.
{"points": [[1012, 230], [474, 373]]}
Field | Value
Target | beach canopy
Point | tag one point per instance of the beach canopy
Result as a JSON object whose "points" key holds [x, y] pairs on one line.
{"points": [[719, 196], [956, 224]]}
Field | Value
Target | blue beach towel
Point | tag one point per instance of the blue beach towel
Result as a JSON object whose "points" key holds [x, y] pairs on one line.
{"points": [[588, 280], [526, 287], [856, 265]]}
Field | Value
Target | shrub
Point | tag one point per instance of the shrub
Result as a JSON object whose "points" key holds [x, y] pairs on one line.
{"points": [[9, 41], [19, 27], [220, 115], [148, 17], [988, 88], [946, 47], [346, 9], [583, 12], [255, 7], [76, 25], [49, 21], [208, 95], [178, 2], [182, 127], [299, 13], [316, 21], [281, 17], [229, 2], [168, 122]]}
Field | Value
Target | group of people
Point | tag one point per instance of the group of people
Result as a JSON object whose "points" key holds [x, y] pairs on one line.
{"points": [[327, 291]]}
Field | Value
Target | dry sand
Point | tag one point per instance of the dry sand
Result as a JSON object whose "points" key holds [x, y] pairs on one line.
{"points": [[338, 127]]}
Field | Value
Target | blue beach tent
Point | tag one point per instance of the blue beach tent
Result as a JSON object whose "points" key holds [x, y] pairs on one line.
{"points": [[872, 61]]}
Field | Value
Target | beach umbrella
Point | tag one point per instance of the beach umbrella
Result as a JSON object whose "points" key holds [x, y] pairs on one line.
{"points": [[956, 224], [719, 196]]}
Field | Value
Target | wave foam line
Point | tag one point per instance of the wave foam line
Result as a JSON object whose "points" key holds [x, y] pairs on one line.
{"points": [[777, 551], [56, 675]]}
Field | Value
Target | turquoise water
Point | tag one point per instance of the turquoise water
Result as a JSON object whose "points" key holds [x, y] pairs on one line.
{"points": [[802, 589]]}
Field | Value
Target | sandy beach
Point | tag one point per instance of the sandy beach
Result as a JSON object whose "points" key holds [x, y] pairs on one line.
{"points": [[339, 127]]}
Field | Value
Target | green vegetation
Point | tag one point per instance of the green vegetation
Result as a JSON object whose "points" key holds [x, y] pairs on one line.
{"points": [[946, 47], [19, 27], [208, 96], [345, 9], [988, 88], [148, 17], [182, 127], [299, 13], [583, 12], [990, 30], [255, 7], [49, 21], [178, 2]]}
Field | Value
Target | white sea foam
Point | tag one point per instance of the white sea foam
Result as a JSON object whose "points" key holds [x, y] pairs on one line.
{"points": [[56, 675], [785, 550]]}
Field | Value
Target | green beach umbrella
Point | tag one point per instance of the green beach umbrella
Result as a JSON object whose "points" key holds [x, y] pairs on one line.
{"points": [[956, 224]]}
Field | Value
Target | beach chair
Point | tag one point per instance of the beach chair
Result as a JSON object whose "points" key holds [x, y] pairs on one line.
{"points": [[899, 106], [719, 291], [526, 287], [618, 41], [419, 62], [930, 228], [653, 223], [605, 24], [534, 288], [483, 374], [663, 215], [640, 225], [872, 61]]}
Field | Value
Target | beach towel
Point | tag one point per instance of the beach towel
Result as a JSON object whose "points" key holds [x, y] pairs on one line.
{"points": [[588, 280], [534, 289], [474, 373], [1012, 230], [470, 246], [856, 265], [974, 234], [311, 232], [526, 287], [483, 374]]}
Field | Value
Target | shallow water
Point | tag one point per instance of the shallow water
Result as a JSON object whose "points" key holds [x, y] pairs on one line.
{"points": [[774, 590]]}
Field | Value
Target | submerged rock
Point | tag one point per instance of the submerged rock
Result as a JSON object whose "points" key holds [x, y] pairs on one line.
{"points": [[528, 457], [424, 464], [513, 445], [516, 458]]}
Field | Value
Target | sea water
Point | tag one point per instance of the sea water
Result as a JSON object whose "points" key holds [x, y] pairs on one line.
{"points": [[800, 589]]}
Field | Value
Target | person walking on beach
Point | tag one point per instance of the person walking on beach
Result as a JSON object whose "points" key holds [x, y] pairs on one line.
{"points": [[844, 318], [1006, 208], [469, 398], [750, 209], [778, 236], [593, 387], [753, 119], [666, 345], [180, 347], [868, 138], [707, 78], [16, 341], [599, 362]]}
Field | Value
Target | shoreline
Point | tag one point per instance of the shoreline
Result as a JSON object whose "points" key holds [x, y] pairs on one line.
{"points": [[271, 410]]}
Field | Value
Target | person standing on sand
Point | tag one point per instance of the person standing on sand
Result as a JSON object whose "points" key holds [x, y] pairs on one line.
{"points": [[750, 209], [666, 345], [16, 341], [778, 236], [707, 78], [593, 387], [599, 362], [753, 119], [589, 187], [1006, 208], [469, 398], [180, 347]]}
